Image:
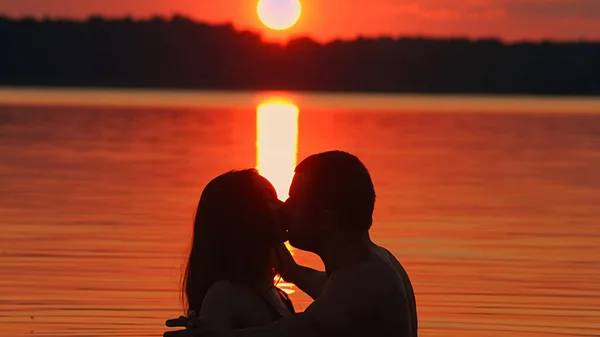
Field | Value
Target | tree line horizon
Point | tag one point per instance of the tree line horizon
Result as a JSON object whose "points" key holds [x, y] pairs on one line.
{"points": [[179, 52]]}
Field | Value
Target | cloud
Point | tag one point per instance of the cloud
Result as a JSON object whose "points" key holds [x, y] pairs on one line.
{"points": [[443, 10], [584, 9], [493, 9]]}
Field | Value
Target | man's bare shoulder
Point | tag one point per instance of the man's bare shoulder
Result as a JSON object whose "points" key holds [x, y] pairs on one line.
{"points": [[399, 294], [375, 279], [366, 299], [388, 260]]}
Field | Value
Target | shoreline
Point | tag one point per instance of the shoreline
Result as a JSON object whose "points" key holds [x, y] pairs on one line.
{"points": [[190, 98]]}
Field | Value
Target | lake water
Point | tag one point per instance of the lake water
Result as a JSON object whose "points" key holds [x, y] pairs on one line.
{"points": [[492, 204]]}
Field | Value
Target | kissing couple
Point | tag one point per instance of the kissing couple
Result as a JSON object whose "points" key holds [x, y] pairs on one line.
{"points": [[238, 249]]}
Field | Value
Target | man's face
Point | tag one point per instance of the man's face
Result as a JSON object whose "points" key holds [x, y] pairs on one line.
{"points": [[303, 227]]}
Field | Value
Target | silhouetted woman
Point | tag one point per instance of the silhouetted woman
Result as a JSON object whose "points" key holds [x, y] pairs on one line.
{"points": [[230, 271]]}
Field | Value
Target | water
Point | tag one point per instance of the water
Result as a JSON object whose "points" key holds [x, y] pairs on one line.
{"points": [[492, 204]]}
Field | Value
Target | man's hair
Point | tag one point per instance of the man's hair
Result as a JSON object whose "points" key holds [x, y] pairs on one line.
{"points": [[340, 182]]}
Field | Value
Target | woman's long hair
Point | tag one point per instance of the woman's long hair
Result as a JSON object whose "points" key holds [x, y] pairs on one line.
{"points": [[233, 237]]}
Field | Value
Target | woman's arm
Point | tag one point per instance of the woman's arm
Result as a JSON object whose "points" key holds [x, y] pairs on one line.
{"points": [[309, 280]]}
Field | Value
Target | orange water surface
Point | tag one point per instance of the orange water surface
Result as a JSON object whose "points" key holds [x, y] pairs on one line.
{"points": [[492, 204]]}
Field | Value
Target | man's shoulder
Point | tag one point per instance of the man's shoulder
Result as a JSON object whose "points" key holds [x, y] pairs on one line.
{"points": [[368, 296], [390, 274], [387, 258], [374, 276], [400, 286]]}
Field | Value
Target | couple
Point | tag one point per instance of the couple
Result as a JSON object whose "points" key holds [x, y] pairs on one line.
{"points": [[237, 248]]}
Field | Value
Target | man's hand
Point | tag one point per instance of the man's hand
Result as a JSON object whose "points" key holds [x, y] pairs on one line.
{"points": [[179, 333], [194, 327], [182, 321]]}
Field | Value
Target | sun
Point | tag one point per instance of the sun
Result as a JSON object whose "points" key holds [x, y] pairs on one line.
{"points": [[279, 14]]}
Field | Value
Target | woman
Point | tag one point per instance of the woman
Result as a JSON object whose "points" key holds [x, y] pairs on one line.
{"points": [[229, 278]]}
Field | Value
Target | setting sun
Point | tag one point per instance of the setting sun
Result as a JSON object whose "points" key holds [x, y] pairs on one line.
{"points": [[279, 14]]}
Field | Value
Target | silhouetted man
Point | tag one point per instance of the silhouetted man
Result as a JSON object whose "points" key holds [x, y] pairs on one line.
{"points": [[365, 291]]}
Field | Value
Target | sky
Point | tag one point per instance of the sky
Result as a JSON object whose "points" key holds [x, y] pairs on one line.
{"points": [[325, 20]]}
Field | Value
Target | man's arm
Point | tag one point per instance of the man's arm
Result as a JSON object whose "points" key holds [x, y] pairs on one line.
{"points": [[297, 325], [347, 303], [309, 280]]}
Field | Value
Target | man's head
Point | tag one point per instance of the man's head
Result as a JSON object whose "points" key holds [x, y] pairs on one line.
{"points": [[331, 194]]}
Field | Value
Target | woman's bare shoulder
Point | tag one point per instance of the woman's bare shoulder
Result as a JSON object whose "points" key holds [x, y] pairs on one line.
{"points": [[222, 295], [223, 288], [235, 295]]}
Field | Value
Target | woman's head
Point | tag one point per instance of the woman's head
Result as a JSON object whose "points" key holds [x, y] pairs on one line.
{"points": [[235, 230]]}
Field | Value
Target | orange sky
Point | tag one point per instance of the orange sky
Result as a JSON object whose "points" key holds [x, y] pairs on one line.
{"points": [[328, 19]]}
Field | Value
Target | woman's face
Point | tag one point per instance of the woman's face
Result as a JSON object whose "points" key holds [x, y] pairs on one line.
{"points": [[275, 220]]}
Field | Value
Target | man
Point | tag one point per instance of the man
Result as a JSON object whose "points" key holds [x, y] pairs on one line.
{"points": [[364, 291]]}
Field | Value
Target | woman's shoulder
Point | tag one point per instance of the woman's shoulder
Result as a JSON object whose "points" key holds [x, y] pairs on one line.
{"points": [[221, 301], [235, 294], [223, 290], [241, 304]]}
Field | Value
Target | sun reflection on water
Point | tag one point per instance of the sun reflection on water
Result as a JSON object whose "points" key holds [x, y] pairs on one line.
{"points": [[276, 150], [277, 142]]}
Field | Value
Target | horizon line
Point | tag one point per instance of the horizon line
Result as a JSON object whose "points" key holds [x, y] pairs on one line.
{"points": [[355, 101], [237, 29]]}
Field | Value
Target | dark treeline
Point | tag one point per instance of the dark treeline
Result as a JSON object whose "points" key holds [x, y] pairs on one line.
{"points": [[179, 52]]}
